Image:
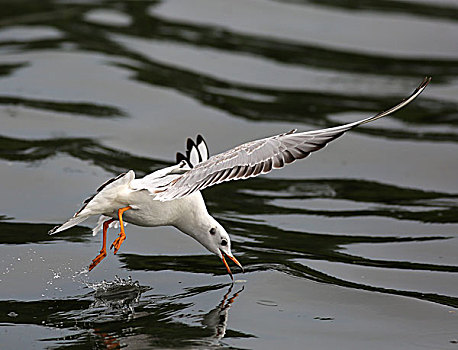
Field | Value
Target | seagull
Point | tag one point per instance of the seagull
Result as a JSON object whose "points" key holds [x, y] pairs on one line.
{"points": [[172, 196]]}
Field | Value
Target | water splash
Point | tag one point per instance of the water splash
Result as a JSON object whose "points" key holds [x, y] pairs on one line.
{"points": [[84, 271], [108, 287], [119, 294]]}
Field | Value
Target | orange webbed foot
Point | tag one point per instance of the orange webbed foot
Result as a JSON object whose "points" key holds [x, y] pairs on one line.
{"points": [[117, 242], [98, 259]]}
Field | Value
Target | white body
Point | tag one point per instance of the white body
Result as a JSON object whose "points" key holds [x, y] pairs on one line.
{"points": [[149, 212], [184, 213], [188, 214]]}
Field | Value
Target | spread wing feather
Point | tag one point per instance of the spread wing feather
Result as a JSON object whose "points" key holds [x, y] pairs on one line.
{"points": [[261, 156]]}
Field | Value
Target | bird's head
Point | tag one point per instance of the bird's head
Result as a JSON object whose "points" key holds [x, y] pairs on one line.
{"points": [[214, 237], [220, 244]]}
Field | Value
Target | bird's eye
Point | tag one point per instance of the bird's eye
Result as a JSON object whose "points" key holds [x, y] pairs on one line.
{"points": [[223, 242], [212, 231]]}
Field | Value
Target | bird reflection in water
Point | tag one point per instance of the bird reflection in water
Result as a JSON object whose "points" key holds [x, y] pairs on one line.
{"points": [[119, 298], [109, 341], [216, 319]]}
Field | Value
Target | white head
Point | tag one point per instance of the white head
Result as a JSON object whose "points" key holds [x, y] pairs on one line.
{"points": [[212, 236]]}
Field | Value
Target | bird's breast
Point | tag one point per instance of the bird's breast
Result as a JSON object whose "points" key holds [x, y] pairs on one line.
{"points": [[149, 212]]}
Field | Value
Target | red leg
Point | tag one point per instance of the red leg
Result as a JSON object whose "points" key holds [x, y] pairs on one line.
{"points": [[122, 235], [103, 252]]}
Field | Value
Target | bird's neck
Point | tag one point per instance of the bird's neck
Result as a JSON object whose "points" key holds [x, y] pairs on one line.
{"points": [[193, 216], [195, 221]]}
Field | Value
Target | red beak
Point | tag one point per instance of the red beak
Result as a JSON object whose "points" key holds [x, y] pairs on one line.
{"points": [[227, 266]]}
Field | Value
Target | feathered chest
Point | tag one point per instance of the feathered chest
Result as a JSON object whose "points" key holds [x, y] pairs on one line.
{"points": [[149, 212]]}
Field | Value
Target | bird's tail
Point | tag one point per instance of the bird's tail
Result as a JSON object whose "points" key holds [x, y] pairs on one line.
{"points": [[68, 224]]}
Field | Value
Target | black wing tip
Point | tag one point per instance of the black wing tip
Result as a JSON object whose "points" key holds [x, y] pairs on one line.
{"points": [[180, 157], [190, 145], [199, 139]]}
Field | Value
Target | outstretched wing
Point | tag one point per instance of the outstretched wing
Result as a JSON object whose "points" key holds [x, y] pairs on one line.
{"points": [[261, 156]]}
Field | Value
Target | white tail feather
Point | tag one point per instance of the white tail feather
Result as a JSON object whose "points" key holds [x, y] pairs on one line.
{"points": [[68, 224]]}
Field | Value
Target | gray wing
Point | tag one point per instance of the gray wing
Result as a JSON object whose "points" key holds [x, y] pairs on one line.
{"points": [[261, 156]]}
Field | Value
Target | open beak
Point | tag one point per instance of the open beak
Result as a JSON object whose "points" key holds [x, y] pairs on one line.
{"points": [[227, 266]]}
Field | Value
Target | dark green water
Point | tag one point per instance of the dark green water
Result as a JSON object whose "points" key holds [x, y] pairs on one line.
{"points": [[353, 248]]}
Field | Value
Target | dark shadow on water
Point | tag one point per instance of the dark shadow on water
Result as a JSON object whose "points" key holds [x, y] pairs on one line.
{"points": [[378, 199], [296, 106], [25, 233], [300, 107], [76, 108], [150, 321], [69, 20], [439, 11], [8, 69], [283, 51], [274, 254], [116, 161], [147, 25]]}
